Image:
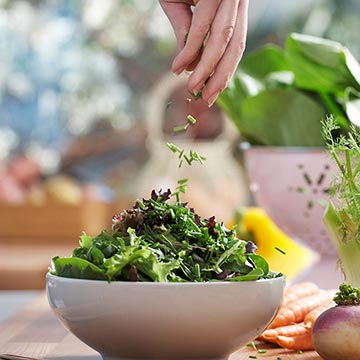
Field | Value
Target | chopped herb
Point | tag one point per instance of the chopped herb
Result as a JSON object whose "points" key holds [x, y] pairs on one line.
{"points": [[191, 119], [280, 250], [262, 351], [190, 158], [252, 356], [180, 128], [184, 127], [278, 358], [300, 352], [181, 188]]}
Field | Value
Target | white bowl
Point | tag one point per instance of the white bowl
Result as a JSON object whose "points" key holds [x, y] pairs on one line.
{"points": [[291, 185], [146, 320]]}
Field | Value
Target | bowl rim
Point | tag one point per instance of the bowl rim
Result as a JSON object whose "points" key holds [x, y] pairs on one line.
{"points": [[281, 278]]}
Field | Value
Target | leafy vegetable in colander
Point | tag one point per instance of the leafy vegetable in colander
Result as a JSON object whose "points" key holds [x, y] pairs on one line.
{"points": [[279, 96], [157, 240]]}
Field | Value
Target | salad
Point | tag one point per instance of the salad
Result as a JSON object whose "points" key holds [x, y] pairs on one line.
{"points": [[162, 240]]}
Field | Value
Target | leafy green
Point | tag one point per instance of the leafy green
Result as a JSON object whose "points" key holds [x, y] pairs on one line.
{"points": [[278, 97], [289, 115], [157, 240], [321, 65]]}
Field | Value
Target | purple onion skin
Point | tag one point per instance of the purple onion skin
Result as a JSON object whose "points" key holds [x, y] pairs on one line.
{"points": [[336, 333]]}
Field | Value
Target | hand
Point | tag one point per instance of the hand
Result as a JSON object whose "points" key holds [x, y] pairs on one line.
{"points": [[211, 37]]}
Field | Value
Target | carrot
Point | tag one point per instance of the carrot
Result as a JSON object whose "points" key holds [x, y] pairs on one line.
{"points": [[292, 330], [296, 311], [311, 317], [301, 342], [299, 290]]}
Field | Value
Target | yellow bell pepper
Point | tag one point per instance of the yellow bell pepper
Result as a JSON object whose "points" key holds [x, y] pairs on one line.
{"points": [[281, 252]]}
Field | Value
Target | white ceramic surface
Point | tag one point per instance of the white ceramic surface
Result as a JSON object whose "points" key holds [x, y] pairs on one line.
{"points": [[291, 185], [124, 320]]}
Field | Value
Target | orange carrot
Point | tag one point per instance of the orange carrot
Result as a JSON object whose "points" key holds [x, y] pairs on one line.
{"points": [[299, 290], [296, 311], [301, 342], [311, 317], [292, 330]]}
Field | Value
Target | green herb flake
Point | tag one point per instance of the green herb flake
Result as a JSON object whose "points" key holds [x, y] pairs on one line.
{"points": [[191, 119], [300, 352], [280, 250], [252, 356], [262, 351], [180, 128]]}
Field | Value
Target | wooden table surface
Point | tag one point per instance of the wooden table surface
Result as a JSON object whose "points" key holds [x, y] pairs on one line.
{"points": [[35, 332]]}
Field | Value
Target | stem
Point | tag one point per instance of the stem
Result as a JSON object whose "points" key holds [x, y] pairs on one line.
{"points": [[343, 235]]}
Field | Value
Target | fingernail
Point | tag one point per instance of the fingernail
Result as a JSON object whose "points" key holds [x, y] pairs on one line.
{"points": [[212, 99], [179, 70]]}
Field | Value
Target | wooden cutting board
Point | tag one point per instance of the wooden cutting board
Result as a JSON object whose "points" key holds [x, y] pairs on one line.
{"points": [[35, 332]]}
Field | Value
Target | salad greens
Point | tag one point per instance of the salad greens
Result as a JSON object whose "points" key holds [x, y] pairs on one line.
{"points": [[342, 216], [279, 96], [157, 240]]}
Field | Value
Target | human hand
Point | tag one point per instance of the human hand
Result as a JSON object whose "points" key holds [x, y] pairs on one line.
{"points": [[211, 37]]}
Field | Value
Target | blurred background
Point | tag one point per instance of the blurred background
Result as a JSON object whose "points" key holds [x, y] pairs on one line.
{"points": [[86, 103]]}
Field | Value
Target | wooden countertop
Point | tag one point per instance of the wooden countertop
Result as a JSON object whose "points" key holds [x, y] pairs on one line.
{"points": [[35, 332]]}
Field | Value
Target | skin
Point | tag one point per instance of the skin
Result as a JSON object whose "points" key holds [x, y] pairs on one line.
{"points": [[336, 333], [211, 37]]}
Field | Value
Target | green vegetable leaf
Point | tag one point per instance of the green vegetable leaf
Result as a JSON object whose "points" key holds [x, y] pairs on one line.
{"points": [[352, 105], [281, 117], [73, 267], [156, 270], [321, 65], [263, 62]]}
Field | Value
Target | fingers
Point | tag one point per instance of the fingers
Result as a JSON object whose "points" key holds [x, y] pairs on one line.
{"points": [[180, 15], [227, 65], [211, 41], [203, 16], [221, 33]]}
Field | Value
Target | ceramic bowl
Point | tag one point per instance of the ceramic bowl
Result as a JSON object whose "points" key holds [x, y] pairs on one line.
{"points": [[137, 320], [291, 185]]}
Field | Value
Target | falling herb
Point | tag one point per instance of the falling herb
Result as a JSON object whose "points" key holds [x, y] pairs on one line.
{"points": [[190, 158], [180, 128], [191, 119], [181, 188], [184, 127]]}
